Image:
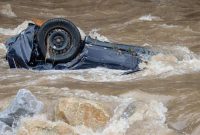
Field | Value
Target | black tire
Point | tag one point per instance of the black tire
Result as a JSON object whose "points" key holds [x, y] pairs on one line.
{"points": [[59, 40]]}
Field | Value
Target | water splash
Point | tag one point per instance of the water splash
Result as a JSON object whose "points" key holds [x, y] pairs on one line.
{"points": [[24, 25], [2, 47], [170, 61], [128, 113], [148, 18], [97, 74], [82, 33], [6, 10], [166, 26], [16, 30], [178, 60], [93, 34]]}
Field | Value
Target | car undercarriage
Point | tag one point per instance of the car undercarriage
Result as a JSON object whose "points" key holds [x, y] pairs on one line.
{"points": [[57, 44]]}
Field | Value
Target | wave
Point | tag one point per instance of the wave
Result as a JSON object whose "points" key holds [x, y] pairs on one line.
{"points": [[16, 30], [172, 61], [6, 10], [95, 35], [175, 61], [148, 18], [2, 47], [129, 114], [24, 25]]}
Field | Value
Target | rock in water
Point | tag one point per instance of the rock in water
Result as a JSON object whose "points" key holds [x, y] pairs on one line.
{"points": [[76, 111], [32, 126], [24, 104], [5, 129]]}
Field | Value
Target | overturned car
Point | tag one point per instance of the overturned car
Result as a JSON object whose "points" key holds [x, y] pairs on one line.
{"points": [[57, 44]]}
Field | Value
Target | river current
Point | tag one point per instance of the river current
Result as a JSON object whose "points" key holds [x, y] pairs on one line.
{"points": [[166, 95]]}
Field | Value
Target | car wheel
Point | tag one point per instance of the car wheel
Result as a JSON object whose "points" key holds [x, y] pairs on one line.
{"points": [[59, 40]]}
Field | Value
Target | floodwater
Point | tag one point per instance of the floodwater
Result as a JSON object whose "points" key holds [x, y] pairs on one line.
{"points": [[166, 94]]}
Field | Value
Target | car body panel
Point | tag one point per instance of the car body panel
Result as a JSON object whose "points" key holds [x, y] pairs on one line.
{"points": [[23, 52]]}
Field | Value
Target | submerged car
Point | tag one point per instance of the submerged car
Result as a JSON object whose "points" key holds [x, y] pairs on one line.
{"points": [[57, 44]]}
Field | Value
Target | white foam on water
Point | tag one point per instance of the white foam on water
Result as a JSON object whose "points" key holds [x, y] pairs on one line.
{"points": [[3, 61], [6, 10], [146, 112], [95, 35], [180, 61], [148, 17], [93, 96], [16, 30], [24, 25], [176, 60], [131, 111], [2, 46], [168, 26], [98, 74], [170, 61], [82, 33]]}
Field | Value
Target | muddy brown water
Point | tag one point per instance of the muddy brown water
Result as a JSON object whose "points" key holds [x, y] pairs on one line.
{"points": [[171, 79]]}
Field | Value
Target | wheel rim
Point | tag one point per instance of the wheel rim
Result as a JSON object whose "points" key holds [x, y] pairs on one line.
{"points": [[58, 42]]}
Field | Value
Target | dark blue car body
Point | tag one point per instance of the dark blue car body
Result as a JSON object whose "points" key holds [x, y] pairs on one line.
{"points": [[23, 52]]}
